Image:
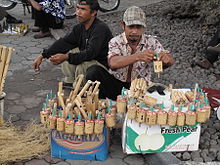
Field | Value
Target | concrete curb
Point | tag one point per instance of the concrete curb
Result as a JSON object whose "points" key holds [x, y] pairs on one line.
{"points": [[164, 158]]}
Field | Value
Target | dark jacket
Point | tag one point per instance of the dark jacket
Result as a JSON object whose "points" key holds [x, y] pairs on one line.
{"points": [[92, 43]]}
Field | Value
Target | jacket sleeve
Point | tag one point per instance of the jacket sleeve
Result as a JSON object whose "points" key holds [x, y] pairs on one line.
{"points": [[62, 45], [94, 46]]}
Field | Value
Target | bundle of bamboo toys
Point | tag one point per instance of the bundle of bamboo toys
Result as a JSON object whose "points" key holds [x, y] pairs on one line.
{"points": [[138, 87], [187, 107], [5, 57], [79, 113]]}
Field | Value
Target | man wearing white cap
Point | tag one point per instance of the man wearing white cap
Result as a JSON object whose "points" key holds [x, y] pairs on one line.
{"points": [[129, 56]]}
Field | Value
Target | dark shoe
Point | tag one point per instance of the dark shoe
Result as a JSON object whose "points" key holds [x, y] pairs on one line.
{"points": [[36, 29], [204, 64], [13, 20], [214, 49], [42, 35]]}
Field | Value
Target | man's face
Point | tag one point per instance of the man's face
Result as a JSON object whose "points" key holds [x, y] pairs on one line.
{"points": [[84, 13], [133, 33]]}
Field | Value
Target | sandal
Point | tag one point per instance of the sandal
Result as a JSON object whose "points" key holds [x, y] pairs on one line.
{"points": [[42, 35]]}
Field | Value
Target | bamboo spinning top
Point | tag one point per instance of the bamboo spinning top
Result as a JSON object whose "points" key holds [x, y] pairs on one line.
{"points": [[158, 66]]}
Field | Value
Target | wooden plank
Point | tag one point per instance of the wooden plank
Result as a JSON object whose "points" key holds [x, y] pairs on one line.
{"points": [[2, 61], [9, 53]]}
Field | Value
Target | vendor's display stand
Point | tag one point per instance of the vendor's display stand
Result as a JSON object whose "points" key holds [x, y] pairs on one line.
{"points": [[78, 122], [165, 122]]}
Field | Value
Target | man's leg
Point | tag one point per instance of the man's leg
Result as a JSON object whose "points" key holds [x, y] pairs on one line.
{"points": [[42, 20], [210, 58], [11, 19], [110, 87], [213, 57], [3, 13], [68, 71], [82, 68], [71, 72]]}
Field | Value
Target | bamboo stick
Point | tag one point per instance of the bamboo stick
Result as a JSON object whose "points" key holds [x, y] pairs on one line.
{"points": [[79, 82], [67, 109], [2, 61], [79, 105], [85, 88], [7, 61], [96, 100], [60, 87], [60, 90], [88, 103], [61, 100], [96, 88]]}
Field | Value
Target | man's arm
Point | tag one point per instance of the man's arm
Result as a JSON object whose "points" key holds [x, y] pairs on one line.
{"points": [[59, 58], [166, 58], [97, 42], [37, 63], [35, 5], [60, 47], [118, 61]]}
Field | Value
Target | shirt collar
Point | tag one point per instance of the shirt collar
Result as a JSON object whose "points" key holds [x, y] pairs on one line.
{"points": [[93, 23]]}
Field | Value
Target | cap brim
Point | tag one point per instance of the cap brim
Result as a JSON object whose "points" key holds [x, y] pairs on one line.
{"points": [[135, 22]]}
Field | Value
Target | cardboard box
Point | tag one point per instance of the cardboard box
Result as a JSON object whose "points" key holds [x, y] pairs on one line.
{"points": [[142, 138], [85, 147]]}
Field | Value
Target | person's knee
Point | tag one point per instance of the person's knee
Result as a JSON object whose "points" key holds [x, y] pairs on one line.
{"points": [[93, 72]]}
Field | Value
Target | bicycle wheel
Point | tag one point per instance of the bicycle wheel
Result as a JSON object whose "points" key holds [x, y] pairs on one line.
{"points": [[70, 8], [108, 5], [7, 5]]}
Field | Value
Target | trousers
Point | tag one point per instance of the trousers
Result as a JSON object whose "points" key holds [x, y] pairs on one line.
{"points": [[3, 13], [71, 72], [110, 87]]}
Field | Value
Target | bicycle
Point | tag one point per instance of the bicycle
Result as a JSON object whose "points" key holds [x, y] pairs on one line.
{"points": [[70, 5], [105, 6], [10, 4]]}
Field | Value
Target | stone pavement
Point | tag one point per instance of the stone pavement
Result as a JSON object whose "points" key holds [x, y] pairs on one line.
{"points": [[26, 90]]}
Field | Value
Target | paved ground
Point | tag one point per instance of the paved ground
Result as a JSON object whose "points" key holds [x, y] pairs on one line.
{"points": [[26, 90]]}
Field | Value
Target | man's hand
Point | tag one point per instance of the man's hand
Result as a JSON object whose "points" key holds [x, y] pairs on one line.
{"points": [[146, 56], [58, 58], [166, 58], [35, 5], [37, 63]]}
